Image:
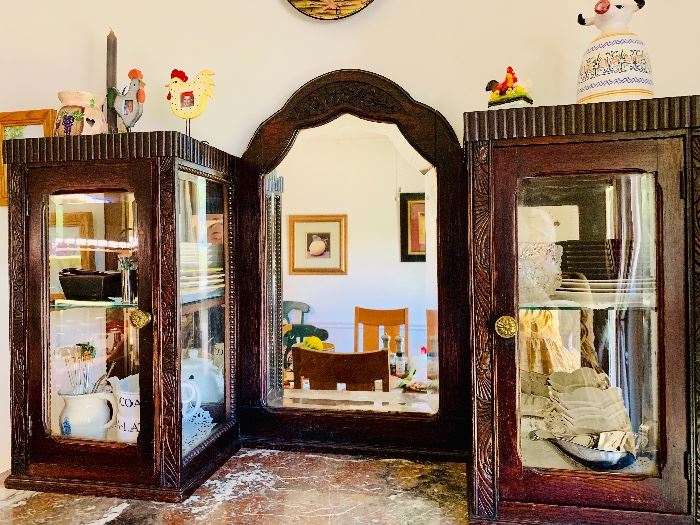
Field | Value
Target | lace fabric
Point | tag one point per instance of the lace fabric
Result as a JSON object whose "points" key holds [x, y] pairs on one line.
{"points": [[196, 429], [539, 270]]}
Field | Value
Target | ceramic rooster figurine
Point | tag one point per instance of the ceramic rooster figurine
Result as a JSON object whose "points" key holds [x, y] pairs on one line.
{"points": [[508, 92], [188, 98], [129, 103]]}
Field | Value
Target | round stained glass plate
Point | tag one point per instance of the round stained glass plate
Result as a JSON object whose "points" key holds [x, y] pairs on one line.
{"points": [[329, 9]]}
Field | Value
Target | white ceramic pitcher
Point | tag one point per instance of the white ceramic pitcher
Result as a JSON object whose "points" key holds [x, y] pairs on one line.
{"points": [[86, 416]]}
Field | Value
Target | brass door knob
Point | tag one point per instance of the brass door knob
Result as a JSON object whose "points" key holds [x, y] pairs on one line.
{"points": [[506, 327], [139, 319]]}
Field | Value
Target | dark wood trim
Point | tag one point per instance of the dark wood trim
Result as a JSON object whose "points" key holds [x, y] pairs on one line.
{"points": [[374, 98], [122, 146], [360, 93], [18, 323], [233, 304], [167, 323], [536, 514], [484, 423], [693, 250], [579, 119], [311, 446]]}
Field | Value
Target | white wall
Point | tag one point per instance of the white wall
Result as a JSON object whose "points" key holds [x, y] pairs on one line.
{"points": [[442, 51], [360, 178]]}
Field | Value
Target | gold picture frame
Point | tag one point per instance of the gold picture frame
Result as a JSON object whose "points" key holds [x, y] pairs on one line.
{"points": [[318, 244], [84, 222], [33, 117]]}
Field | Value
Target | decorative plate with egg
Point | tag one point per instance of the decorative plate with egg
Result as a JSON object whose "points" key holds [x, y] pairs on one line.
{"points": [[329, 9]]}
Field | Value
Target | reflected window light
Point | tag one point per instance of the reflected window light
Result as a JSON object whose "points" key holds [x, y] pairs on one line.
{"points": [[101, 243]]}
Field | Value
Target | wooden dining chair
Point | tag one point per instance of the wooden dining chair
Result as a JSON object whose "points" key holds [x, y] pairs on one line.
{"points": [[325, 370], [390, 321], [431, 323]]}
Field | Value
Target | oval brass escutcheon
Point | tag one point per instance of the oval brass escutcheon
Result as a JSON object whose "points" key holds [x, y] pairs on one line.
{"points": [[506, 327], [139, 319]]}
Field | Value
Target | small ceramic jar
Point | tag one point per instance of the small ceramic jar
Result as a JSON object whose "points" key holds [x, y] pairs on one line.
{"points": [[80, 114]]}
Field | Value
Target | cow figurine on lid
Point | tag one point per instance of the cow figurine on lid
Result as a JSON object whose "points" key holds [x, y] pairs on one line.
{"points": [[616, 65]]}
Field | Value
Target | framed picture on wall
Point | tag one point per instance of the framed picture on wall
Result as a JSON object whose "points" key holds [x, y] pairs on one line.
{"points": [[412, 220], [318, 244], [22, 125]]}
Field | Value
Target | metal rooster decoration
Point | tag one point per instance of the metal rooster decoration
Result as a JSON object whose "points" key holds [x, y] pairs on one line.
{"points": [[129, 103]]}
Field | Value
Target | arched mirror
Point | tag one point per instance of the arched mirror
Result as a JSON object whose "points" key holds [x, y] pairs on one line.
{"points": [[353, 211]]}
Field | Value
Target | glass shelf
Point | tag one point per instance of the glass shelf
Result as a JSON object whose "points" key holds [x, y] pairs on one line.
{"points": [[67, 304], [595, 306]]}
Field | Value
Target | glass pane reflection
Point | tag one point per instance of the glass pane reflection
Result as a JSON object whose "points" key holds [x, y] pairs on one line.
{"points": [[201, 252], [588, 334], [94, 361]]}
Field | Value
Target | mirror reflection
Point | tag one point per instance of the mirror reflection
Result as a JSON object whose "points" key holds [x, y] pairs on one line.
{"points": [[588, 335], [352, 272], [201, 295]]}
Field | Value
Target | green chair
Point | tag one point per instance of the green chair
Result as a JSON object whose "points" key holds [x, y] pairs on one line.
{"points": [[289, 306], [299, 330]]}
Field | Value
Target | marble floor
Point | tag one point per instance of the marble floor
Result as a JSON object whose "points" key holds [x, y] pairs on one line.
{"points": [[274, 487]]}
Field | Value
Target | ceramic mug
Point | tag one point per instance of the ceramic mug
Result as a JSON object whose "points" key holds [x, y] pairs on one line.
{"points": [[128, 407], [191, 398], [128, 428], [129, 404]]}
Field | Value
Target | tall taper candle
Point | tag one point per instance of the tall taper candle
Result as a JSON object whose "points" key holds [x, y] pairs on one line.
{"points": [[111, 59], [111, 79]]}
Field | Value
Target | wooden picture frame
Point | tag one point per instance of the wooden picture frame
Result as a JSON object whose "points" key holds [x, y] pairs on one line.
{"points": [[32, 117], [318, 244], [412, 230]]}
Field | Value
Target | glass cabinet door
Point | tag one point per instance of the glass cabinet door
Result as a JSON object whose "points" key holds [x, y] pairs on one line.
{"points": [[94, 348], [89, 338], [592, 362], [588, 335], [201, 248]]}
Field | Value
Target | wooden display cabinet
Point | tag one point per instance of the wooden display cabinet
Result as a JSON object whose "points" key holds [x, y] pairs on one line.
{"points": [[83, 210], [585, 295]]}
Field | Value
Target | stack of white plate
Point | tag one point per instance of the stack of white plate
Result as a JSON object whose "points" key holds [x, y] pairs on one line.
{"points": [[201, 270], [629, 292]]}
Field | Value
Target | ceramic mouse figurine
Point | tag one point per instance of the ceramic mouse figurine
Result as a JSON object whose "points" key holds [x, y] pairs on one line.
{"points": [[616, 65]]}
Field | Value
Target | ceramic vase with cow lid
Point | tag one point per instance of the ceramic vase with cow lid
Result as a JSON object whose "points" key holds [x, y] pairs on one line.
{"points": [[616, 66]]}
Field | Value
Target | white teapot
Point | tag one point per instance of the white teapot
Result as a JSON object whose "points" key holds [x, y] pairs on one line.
{"points": [[209, 378]]}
